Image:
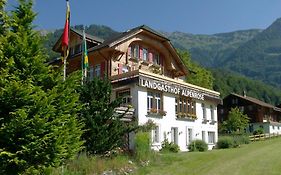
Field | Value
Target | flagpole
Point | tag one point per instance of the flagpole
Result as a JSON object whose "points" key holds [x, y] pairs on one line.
{"points": [[65, 39], [64, 67], [82, 57], [85, 50]]}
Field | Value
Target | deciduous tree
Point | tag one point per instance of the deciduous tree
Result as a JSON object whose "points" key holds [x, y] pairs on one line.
{"points": [[236, 122]]}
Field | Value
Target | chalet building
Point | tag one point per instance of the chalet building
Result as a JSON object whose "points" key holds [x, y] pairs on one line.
{"points": [[261, 114], [147, 73]]}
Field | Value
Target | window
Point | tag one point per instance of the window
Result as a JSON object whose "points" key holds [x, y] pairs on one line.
{"points": [[97, 70], [91, 73], [125, 95], [185, 105], [155, 135], [204, 111], [71, 51], [174, 135], [234, 101], [154, 101], [212, 113], [149, 100], [77, 48], [135, 49], [176, 105], [158, 101], [188, 135], [203, 135], [156, 58], [211, 137], [145, 54], [241, 108]]}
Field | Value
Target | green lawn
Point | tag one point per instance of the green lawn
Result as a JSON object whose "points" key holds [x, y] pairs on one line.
{"points": [[259, 158]]}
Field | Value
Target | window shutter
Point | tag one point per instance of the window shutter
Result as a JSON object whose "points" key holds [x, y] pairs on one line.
{"points": [[140, 53], [120, 68], [150, 56], [102, 68]]}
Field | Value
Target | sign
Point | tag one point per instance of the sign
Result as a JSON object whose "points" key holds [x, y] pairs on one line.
{"points": [[170, 88]]}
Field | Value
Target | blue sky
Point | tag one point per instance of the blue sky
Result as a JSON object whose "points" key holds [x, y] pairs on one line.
{"points": [[191, 16]]}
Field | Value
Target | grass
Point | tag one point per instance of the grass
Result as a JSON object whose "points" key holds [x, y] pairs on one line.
{"points": [[257, 158], [84, 165]]}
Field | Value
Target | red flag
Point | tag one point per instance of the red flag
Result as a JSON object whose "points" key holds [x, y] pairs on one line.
{"points": [[65, 36]]}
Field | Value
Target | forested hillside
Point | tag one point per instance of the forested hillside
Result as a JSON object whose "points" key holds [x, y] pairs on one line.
{"points": [[226, 82], [211, 50], [260, 58]]}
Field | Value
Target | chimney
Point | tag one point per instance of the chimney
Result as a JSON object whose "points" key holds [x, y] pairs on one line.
{"points": [[244, 93]]}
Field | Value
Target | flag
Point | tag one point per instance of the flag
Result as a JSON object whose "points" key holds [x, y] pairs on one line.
{"points": [[85, 61], [65, 39], [65, 35], [85, 52]]}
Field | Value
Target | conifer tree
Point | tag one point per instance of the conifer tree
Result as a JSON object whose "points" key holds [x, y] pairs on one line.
{"points": [[38, 122], [104, 130]]}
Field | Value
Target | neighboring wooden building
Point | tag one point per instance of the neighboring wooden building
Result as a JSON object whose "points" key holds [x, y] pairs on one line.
{"points": [[146, 71], [261, 114]]}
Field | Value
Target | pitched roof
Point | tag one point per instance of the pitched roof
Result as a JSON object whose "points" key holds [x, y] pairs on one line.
{"points": [[256, 101], [122, 35], [88, 36], [79, 33]]}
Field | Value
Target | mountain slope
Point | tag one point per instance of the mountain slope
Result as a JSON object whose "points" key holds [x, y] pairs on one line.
{"points": [[260, 57], [211, 50]]}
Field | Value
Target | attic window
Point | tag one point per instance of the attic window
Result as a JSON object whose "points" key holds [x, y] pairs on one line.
{"points": [[156, 58], [135, 50]]}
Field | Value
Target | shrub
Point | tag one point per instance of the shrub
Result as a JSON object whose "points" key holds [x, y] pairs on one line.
{"points": [[142, 146], [169, 146], [241, 139], [225, 142], [258, 131], [198, 145]]}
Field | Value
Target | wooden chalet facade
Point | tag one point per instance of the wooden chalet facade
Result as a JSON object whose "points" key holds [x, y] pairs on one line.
{"points": [[261, 114], [146, 71]]}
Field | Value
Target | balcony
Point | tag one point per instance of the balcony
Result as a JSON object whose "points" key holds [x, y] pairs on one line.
{"points": [[156, 113], [185, 116]]}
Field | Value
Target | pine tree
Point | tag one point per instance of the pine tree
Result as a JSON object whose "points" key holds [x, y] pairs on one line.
{"points": [[104, 130], [38, 122]]}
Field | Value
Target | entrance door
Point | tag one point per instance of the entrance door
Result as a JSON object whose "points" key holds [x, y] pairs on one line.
{"points": [[174, 135]]}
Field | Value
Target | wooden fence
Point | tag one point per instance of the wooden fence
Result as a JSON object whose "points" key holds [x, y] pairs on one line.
{"points": [[263, 136]]}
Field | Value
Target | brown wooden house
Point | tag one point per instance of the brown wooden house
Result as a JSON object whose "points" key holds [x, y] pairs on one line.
{"points": [[261, 114]]}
